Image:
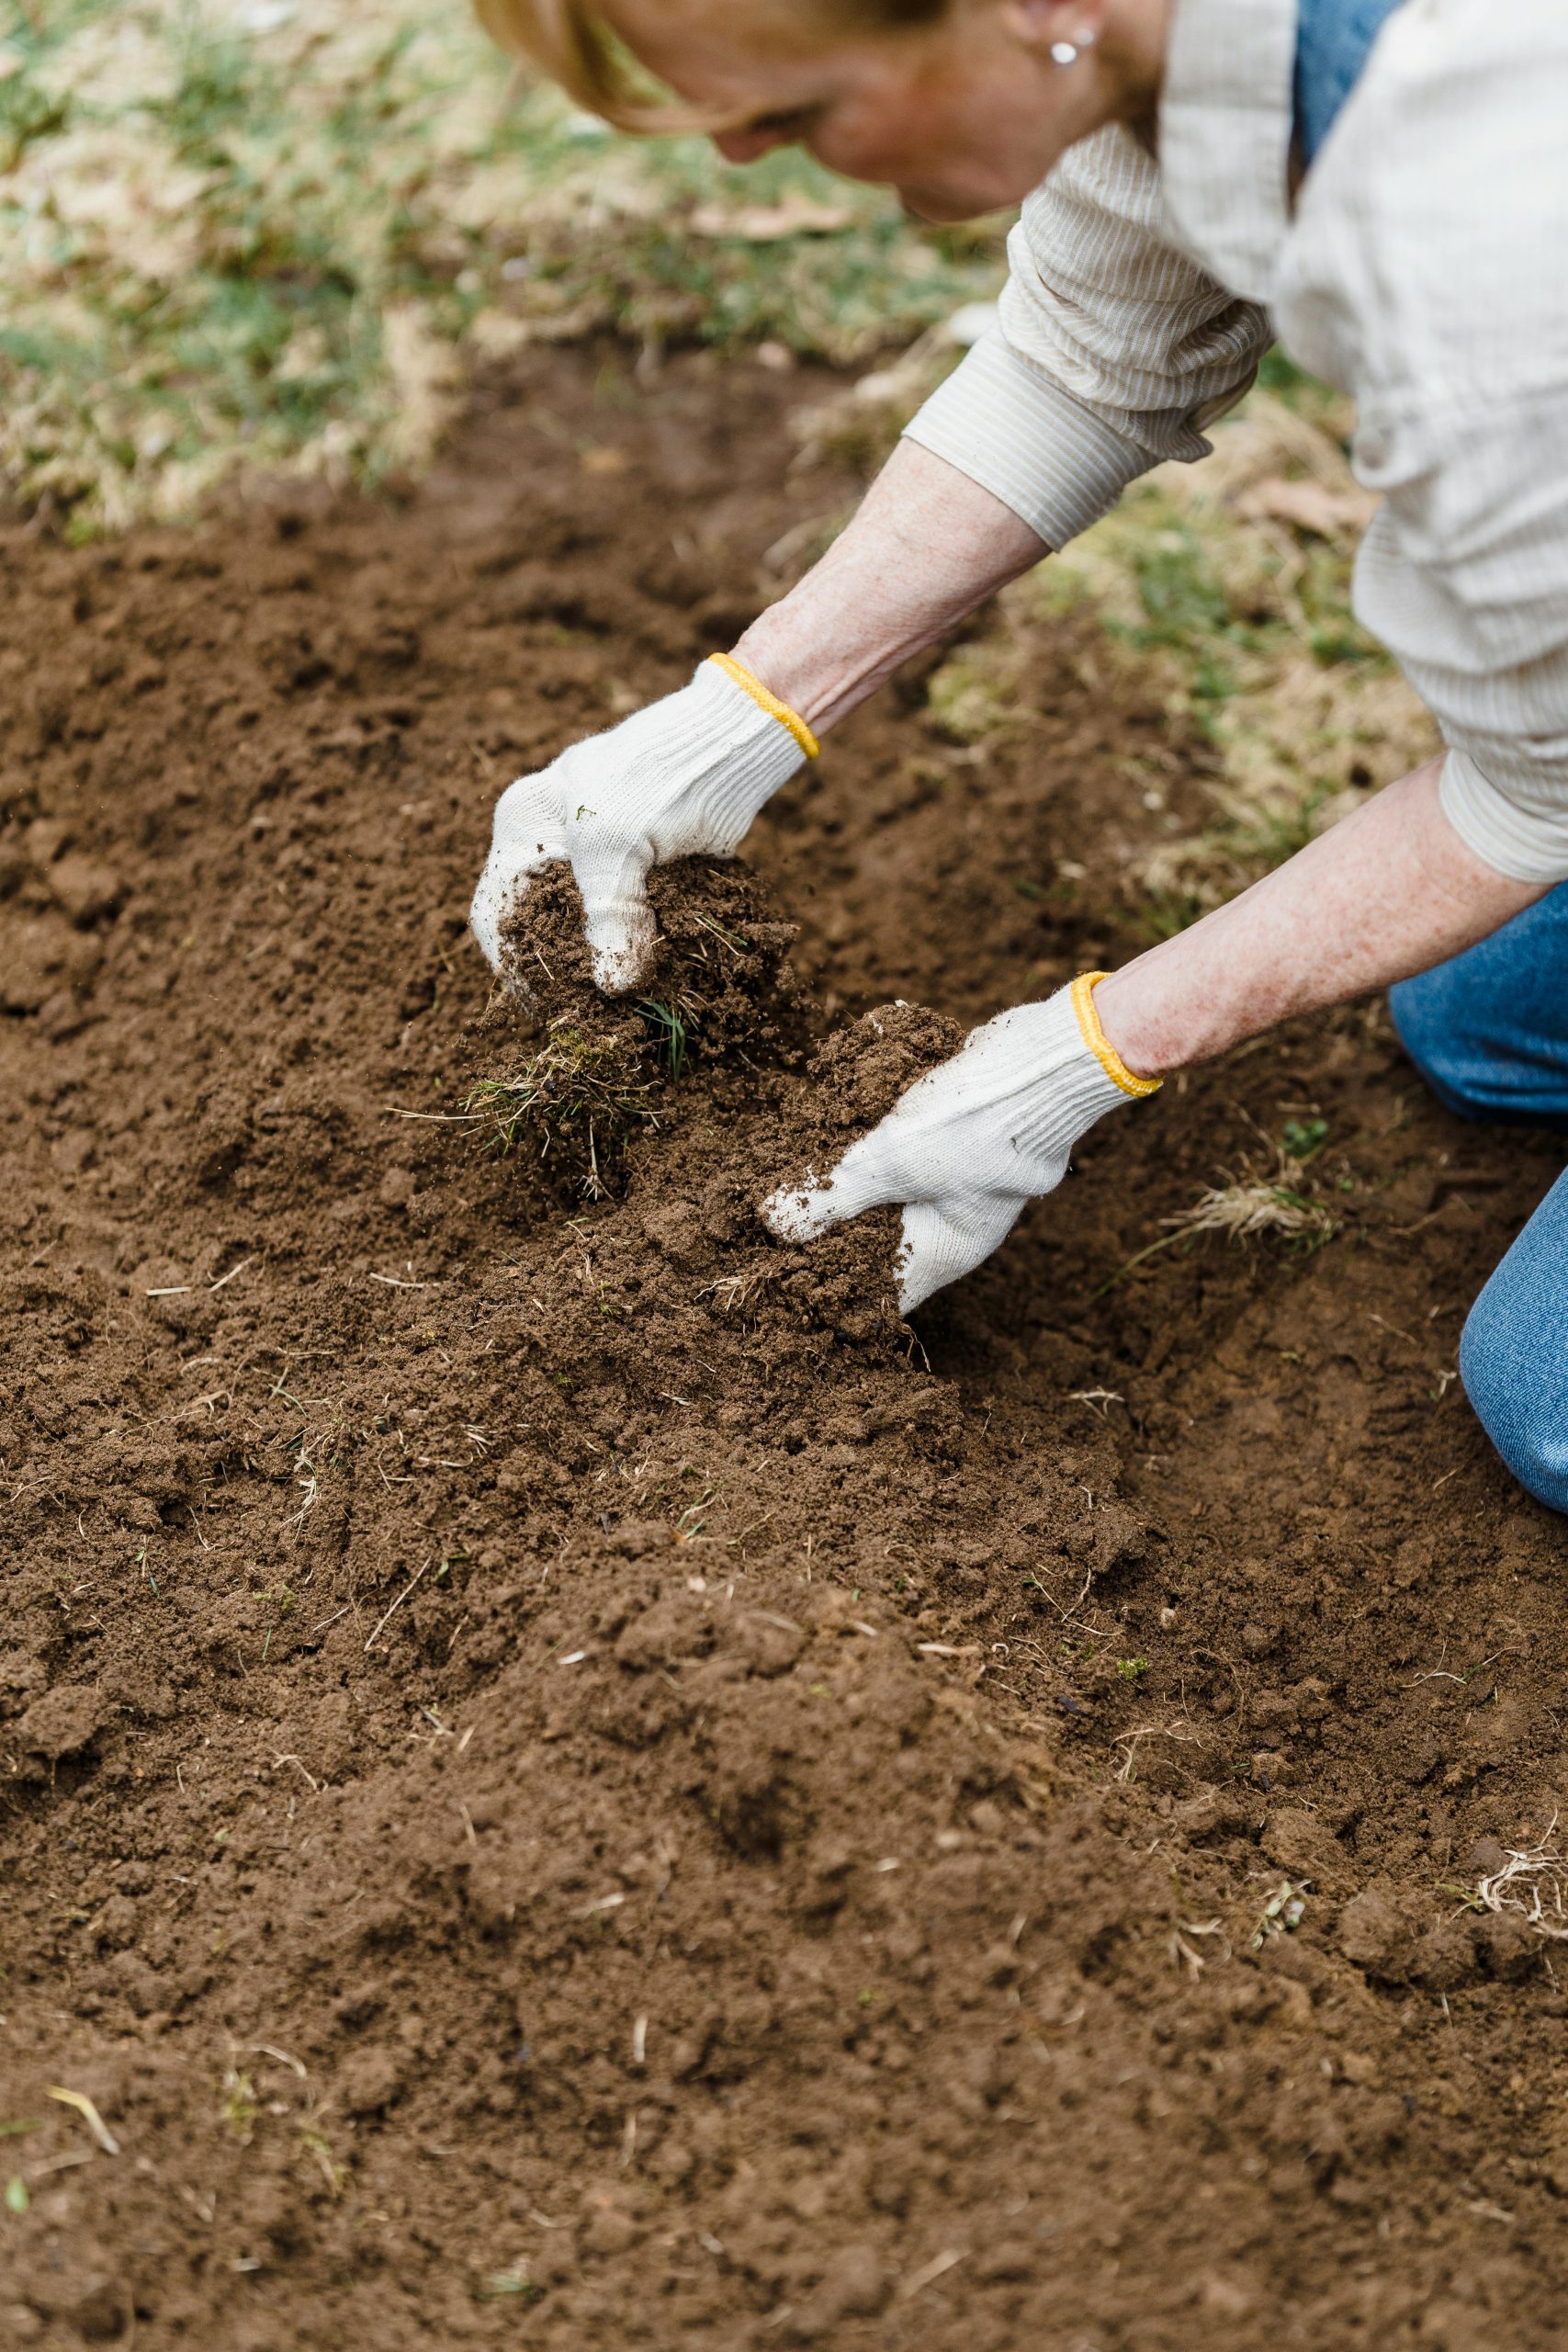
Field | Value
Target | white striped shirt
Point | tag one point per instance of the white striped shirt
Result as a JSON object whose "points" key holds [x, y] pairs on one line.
{"points": [[1421, 266]]}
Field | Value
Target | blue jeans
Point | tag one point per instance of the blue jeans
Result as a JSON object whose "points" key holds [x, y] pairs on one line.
{"points": [[1489, 1034]]}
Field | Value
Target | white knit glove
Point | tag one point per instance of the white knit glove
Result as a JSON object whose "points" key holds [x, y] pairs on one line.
{"points": [[686, 775], [972, 1142]]}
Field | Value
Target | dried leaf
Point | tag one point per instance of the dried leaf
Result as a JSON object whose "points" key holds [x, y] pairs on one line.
{"points": [[1309, 505], [763, 224]]}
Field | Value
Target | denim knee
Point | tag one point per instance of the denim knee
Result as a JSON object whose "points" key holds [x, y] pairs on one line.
{"points": [[1488, 1030], [1513, 1394], [1423, 1012]]}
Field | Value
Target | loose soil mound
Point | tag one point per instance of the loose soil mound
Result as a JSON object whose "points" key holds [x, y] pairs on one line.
{"points": [[568, 1778]]}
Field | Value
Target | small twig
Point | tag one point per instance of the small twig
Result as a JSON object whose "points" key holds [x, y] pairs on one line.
{"points": [[396, 1605], [929, 2272]]}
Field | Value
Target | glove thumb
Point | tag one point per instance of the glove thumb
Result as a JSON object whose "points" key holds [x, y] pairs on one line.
{"points": [[944, 1239], [800, 1213]]}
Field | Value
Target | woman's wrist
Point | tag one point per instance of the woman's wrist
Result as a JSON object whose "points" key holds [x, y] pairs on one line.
{"points": [[802, 667], [927, 546], [1137, 1026]]}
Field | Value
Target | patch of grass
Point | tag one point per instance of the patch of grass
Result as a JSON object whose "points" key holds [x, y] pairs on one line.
{"points": [[318, 2148], [1282, 1913], [1165, 912], [1186, 611], [507, 2285], [578, 1097], [239, 2108], [976, 695], [1243, 1207], [1223, 589], [1303, 1139]]}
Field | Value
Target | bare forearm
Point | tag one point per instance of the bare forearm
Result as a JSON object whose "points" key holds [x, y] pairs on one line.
{"points": [[926, 546], [1390, 891]]}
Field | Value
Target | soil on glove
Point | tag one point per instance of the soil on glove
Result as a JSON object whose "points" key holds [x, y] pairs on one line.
{"points": [[569, 1779], [718, 969]]}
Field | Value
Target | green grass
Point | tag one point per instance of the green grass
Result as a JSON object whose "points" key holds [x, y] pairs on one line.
{"points": [[669, 1033], [505, 2286], [575, 1100], [290, 246]]}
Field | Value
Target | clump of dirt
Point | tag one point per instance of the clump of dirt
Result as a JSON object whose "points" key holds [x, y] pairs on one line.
{"points": [[722, 1010], [719, 980], [562, 1769], [574, 1099]]}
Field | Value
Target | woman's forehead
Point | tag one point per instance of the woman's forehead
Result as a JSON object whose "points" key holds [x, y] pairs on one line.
{"points": [[798, 35]]}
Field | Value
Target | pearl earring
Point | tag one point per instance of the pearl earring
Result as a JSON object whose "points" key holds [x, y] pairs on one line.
{"points": [[1067, 53]]}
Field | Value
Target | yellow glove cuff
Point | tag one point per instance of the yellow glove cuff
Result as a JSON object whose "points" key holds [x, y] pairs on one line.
{"points": [[1099, 1045], [770, 703]]}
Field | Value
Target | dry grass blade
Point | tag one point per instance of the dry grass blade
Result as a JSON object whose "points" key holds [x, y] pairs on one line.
{"points": [[579, 1094], [1249, 1205], [731, 1292], [87, 2110], [1532, 1884], [1242, 1208]]}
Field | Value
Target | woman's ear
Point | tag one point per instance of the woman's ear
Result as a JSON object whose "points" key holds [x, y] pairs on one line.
{"points": [[1057, 27]]}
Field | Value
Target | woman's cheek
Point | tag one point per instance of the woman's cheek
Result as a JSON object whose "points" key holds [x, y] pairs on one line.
{"points": [[864, 157]]}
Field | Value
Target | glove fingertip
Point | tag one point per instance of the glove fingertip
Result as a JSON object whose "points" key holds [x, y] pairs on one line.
{"points": [[942, 1242], [494, 901], [620, 944], [796, 1216]]}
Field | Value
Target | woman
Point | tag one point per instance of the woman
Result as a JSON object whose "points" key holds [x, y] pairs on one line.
{"points": [[1385, 188]]}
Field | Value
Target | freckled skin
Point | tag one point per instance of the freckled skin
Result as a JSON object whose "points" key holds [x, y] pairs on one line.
{"points": [[961, 118], [1390, 891]]}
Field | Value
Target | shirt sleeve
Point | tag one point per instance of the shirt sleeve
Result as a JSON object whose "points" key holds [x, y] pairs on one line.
{"points": [[1522, 832], [1112, 350], [1463, 575], [1425, 273]]}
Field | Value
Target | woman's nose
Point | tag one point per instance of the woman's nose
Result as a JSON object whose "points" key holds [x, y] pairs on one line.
{"points": [[746, 146]]}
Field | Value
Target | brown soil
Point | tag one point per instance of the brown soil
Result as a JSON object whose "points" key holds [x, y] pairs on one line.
{"points": [[569, 1780]]}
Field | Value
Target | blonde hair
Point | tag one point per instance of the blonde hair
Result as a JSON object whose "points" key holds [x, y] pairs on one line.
{"points": [[566, 39]]}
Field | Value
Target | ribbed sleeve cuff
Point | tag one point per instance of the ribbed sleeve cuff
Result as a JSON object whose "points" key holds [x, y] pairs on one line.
{"points": [[1000, 420], [1526, 844]]}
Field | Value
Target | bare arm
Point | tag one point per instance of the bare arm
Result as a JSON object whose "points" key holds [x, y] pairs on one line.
{"points": [[1390, 891], [926, 546]]}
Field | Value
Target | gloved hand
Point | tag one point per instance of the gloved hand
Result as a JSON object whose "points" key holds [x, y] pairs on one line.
{"points": [[686, 775], [973, 1141]]}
